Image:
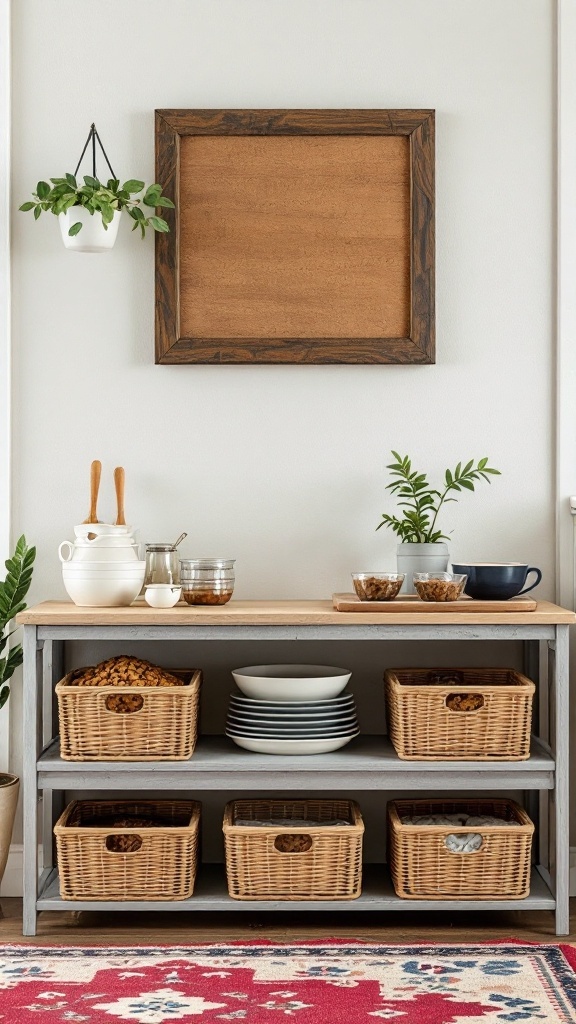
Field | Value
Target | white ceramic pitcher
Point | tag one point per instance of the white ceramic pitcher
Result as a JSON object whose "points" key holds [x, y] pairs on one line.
{"points": [[101, 548]]}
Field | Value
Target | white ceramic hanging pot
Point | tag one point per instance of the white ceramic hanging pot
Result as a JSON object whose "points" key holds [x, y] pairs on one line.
{"points": [[93, 236], [413, 558]]}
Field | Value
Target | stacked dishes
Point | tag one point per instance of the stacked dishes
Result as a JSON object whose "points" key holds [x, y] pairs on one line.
{"points": [[292, 709], [101, 568]]}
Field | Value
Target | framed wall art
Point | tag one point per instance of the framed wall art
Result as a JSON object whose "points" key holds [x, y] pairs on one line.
{"points": [[299, 236]]}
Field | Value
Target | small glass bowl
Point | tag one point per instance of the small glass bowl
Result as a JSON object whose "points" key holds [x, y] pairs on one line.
{"points": [[439, 586], [378, 586]]}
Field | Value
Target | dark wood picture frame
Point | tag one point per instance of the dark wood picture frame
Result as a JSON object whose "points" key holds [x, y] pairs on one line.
{"points": [[417, 343]]}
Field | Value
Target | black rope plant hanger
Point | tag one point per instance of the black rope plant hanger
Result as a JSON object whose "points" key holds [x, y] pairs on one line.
{"points": [[64, 196]]}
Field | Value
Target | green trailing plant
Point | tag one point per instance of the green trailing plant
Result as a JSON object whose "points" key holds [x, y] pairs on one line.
{"points": [[65, 193], [421, 503], [13, 590]]}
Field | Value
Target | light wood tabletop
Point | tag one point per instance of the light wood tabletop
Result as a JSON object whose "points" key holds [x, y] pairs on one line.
{"points": [[278, 613]]}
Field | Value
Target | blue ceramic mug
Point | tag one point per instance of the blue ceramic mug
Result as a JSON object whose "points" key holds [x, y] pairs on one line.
{"points": [[496, 581]]}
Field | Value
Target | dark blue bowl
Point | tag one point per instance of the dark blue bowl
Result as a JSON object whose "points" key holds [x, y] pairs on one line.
{"points": [[496, 581]]}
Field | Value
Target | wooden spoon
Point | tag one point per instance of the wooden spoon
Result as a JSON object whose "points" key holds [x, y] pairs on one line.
{"points": [[95, 473], [119, 479]]}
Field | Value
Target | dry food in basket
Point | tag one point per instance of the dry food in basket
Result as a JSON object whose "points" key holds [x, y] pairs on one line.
{"points": [[124, 671], [465, 701]]}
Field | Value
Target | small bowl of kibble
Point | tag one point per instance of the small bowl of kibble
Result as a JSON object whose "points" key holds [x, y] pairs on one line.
{"points": [[378, 586], [439, 586]]}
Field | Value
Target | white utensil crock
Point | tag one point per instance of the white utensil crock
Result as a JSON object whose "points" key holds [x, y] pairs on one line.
{"points": [[101, 549]]}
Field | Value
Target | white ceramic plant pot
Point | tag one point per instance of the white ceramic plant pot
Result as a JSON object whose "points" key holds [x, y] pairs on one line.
{"points": [[93, 236], [9, 790], [413, 558]]}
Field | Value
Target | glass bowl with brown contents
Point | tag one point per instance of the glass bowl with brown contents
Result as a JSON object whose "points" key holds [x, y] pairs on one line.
{"points": [[377, 586], [207, 580], [439, 586]]}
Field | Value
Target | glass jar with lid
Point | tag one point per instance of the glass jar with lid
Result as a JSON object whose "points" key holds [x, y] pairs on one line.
{"points": [[161, 564]]}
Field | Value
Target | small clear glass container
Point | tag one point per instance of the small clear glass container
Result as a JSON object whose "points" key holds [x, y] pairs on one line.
{"points": [[207, 580], [161, 564], [439, 586], [378, 586]]}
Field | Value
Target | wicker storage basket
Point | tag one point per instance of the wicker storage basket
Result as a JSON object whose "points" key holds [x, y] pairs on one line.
{"points": [[164, 728], [423, 727], [423, 868], [163, 867], [328, 865]]}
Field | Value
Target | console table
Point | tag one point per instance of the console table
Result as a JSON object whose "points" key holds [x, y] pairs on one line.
{"points": [[368, 763]]}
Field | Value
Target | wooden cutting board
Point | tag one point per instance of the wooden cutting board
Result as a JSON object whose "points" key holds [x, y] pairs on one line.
{"points": [[412, 603]]}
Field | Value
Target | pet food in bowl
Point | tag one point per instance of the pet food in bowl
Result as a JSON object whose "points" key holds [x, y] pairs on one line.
{"points": [[377, 586], [438, 586]]}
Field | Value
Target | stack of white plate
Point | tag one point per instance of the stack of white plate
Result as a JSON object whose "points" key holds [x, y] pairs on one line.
{"points": [[279, 721]]}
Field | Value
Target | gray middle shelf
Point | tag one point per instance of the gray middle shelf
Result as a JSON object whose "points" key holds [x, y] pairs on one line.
{"points": [[368, 763]]}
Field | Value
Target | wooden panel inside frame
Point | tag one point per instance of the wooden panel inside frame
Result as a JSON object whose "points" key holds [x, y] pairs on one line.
{"points": [[291, 237], [299, 236]]}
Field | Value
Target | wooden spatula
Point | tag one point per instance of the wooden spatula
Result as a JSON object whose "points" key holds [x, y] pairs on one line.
{"points": [[95, 473], [119, 479]]}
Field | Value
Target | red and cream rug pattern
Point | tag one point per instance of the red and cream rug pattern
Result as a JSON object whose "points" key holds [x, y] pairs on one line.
{"points": [[333, 982]]}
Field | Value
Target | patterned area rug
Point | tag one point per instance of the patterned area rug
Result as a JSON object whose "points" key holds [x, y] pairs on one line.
{"points": [[307, 983]]}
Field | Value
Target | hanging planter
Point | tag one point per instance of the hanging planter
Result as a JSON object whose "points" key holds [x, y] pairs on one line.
{"points": [[89, 212]]}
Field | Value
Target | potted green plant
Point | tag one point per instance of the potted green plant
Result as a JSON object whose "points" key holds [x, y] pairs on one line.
{"points": [[13, 590], [422, 547], [89, 211]]}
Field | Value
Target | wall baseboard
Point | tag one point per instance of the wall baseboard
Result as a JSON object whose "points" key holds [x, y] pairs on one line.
{"points": [[12, 881]]}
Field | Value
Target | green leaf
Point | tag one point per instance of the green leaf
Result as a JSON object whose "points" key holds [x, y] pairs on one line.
{"points": [[133, 185], [42, 189], [75, 228], [482, 463], [107, 213], [158, 224], [4, 694], [27, 206], [467, 484], [71, 180], [152, 195], [37, 212], [136, 213], [92, 182], [164, 201]]}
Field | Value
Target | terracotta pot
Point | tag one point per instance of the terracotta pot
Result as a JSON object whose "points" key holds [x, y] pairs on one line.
{"points": [[9, 791]]}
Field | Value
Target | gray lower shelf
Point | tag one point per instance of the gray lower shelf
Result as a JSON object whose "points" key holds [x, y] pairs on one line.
{"points": [[211, 894], [369, 762]]}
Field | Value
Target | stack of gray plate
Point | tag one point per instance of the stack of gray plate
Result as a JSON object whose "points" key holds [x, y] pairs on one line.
{"points": [[279, 721]]}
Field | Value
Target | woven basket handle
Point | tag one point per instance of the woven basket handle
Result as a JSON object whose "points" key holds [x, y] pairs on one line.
{"points": [[464, 853], [109, 701], [284, 840], [463, 711], [111, 842]]}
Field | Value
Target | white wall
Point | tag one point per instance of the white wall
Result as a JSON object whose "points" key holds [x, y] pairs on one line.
{"points": [[283, 467]]}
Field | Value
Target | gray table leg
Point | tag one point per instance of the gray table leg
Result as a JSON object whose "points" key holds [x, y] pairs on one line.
{"points": [[52, 800], [560, 682], [31, 737], [531, 668]]}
